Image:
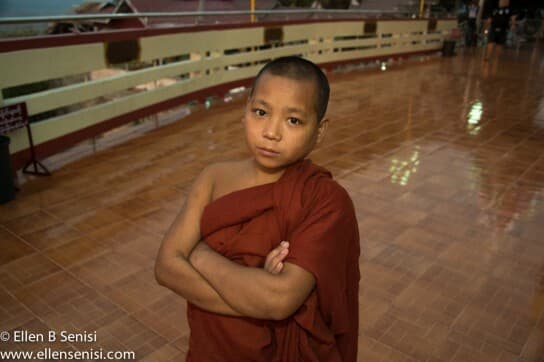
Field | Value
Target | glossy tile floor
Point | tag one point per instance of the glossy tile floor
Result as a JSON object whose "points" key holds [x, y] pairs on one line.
{"points": [[444, 160]]}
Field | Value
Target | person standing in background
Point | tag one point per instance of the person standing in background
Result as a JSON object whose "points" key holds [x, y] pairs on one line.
{"points": [[501, 20], [470, 36]]}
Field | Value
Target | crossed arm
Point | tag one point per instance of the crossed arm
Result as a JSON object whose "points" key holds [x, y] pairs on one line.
{"points": [[214, 283]]}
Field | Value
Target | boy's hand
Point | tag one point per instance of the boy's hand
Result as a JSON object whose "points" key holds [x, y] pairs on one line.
{"points": [[273, 263], [274, 260]]}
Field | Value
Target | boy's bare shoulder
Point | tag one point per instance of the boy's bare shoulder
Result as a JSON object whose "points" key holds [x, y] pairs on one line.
{"points": [[225, 170], [225, 177]]}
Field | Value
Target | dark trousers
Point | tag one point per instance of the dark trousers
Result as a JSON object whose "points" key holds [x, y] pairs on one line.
{"points": [[470, 36]]}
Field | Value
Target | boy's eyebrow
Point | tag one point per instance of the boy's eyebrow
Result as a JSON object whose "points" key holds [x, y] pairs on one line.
{"points": [[289, 109]]}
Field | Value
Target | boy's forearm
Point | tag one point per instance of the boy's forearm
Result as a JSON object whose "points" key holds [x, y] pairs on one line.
{"points": [[252, 291], [180, 276]]}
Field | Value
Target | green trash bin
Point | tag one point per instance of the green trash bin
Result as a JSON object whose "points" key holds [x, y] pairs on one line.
{"points": [[7, 187]]}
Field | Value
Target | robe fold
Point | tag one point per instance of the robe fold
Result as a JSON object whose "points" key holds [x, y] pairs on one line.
{"points": [[316, 215]]}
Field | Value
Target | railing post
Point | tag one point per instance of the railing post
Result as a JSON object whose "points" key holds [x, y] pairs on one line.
{"points": [[252, 8], [200, 9], [195, 57]]}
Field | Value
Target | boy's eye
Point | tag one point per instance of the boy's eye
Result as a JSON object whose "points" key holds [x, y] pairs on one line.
{"points": [[259, 112], [294, 121]]}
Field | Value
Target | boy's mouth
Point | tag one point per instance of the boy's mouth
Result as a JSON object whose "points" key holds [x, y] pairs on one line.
{"points": [[267, 152]]}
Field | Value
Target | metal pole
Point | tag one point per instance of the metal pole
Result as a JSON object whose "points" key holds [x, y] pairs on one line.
{"points": [[252, 8], [32, 151], [200, 10], [421, 7], [480, 14]]}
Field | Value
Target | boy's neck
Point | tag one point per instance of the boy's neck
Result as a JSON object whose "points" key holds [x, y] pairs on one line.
{"points": [[262, 175]]}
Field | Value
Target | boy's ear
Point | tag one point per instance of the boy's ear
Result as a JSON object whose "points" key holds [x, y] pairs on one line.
{"points": [[323, 125]]}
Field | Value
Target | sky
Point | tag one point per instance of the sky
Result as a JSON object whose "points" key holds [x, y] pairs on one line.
{"points": [[14, 8]]}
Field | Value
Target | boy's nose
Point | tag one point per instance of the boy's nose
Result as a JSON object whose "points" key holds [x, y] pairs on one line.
{"points": [[272, 130]]}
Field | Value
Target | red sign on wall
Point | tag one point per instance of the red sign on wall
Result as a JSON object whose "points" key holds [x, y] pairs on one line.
{"points": [[13, 117]]}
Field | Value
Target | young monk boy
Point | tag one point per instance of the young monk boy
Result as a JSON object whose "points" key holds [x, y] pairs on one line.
{"points": [[252, 296]]}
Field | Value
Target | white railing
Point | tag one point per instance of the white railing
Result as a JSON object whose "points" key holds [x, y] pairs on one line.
{"points": [[93, 78]]}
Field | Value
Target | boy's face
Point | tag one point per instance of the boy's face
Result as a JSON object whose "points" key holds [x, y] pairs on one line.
{"points": [[280, 121]]}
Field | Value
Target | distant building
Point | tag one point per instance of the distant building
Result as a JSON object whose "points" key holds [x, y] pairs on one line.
{"points": [[155, 6], [94, 7]]}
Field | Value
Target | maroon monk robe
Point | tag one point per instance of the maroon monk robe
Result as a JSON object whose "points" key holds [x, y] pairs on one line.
{"points": [[315, 214]]}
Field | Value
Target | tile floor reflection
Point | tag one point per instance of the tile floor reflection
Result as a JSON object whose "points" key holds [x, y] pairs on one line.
{"points": [[444, 160]]}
